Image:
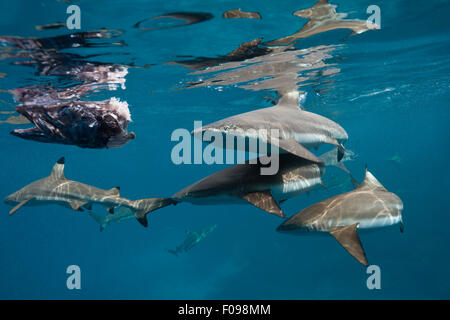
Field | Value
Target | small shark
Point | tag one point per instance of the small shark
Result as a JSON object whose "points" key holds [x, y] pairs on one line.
{"points": [[370, 205], [57, 189], [298, 130], [322, 18], [396, 159], [119, 215], [243, 183], [188, 17], [192, 239], [330, 159]]}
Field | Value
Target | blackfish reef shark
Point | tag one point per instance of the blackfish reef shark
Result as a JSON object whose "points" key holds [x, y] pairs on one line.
{"points": [[57, 189], [243, 183], [192, 239], [370, 205], [297, 129]]}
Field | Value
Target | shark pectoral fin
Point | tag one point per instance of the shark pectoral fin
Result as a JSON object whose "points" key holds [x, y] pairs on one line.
{"points": [[341, 166], [142, 218], [264, 201], [76, 205], [347, 237], [292, 146], [13, 210], [88, 206]]}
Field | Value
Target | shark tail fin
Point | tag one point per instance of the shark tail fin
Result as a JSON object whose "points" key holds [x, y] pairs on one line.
{"points": [[144, 206], [99, 219]]}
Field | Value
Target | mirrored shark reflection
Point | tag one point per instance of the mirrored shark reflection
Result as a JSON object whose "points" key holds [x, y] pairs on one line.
{"points": [[282, 69], [322, 17], [57, 189], [238, 14], [246, 50], [188, 18], [370, 205], [73, 40], [192, 239], [70, 66]]}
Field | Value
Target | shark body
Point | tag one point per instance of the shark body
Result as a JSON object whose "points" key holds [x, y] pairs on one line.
{"points": [[298, 130], [370, 205], [243, 183], [192, 239], [57, 189]]}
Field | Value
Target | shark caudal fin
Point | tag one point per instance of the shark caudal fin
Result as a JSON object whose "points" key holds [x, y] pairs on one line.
{"points": [[101, 220], [143, 206]]}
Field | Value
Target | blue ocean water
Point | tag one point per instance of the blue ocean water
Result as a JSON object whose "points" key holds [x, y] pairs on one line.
{"points": [[389, 88]]}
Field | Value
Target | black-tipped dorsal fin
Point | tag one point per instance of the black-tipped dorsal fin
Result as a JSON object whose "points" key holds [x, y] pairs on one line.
{"points": [[58, 169], [264, 201], [370, 182], [347, 237], [114, 191]]}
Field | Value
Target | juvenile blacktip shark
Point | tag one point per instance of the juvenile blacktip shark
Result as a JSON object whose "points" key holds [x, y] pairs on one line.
{"points": [[57, 189], [243, 183], [120, 214], [297, 129], [370, 205], [192, 239], [330, 159]]}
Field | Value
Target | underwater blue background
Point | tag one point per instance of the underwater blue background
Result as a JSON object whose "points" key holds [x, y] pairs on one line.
{"points": [[244, 258]]}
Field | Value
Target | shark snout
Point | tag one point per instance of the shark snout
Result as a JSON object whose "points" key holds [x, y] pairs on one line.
{"points": [[10, 199], [292, 227], [198, 130]]}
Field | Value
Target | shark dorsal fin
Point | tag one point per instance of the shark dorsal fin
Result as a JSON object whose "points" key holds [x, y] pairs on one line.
{"points": [[289, 98], [370, 182], [58, 169], [114, 191]]}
